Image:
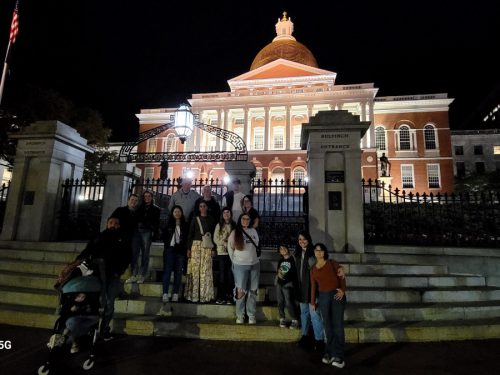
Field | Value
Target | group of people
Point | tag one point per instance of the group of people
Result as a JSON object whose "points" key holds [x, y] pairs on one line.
{"points": [[316, 284], [198, 231]]}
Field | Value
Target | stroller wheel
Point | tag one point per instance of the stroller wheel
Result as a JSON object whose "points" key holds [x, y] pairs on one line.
{"points": [[43, 370], [88, 364]]}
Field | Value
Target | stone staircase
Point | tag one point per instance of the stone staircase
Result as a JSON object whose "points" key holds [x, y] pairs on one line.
{"points": [[394, 294]]}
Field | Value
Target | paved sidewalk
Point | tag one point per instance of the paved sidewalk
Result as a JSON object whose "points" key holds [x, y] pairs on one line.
{"points": [[150, 355]]}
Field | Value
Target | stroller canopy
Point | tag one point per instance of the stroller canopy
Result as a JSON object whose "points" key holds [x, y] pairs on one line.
{"points": [[82, 284]]}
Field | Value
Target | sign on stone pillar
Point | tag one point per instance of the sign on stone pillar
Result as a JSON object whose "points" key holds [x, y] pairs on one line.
{"points": [[332, 139], [48, 152]]}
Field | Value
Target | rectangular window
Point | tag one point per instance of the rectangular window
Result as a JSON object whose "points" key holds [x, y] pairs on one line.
{"points": [[212, 142], [239, 131], [407, 176], [152, 145], [459, 150], [460, 165], [496, 150], [278, 138], [480, 168], [239, 121], [433, 176], [214, 122], [296, 136], [149, 173], [380, 138], [258, 139], [478, 150]]}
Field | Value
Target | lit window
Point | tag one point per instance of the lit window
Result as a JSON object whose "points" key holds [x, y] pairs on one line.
{"points": [[296, 136], [258, 139], [380, 138], [149, 173], [430, 137], [278, 138], [152, 145], [404, 138], [407, 176], [433, 176], [496, 150], [239, 121], [169, 143], [299, 174], [239, 131]]}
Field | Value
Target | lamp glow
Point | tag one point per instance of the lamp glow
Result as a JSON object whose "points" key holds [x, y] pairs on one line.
{"points": [[183, 122]]}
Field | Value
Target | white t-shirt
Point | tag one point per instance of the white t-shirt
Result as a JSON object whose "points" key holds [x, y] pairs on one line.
{"points": [[245, 257]]}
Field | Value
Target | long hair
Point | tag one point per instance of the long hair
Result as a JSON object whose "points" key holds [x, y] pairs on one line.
{"points": [[323, 248], [310, 245], [239, 240], [171, 223], [222, 222], [242, 204]]}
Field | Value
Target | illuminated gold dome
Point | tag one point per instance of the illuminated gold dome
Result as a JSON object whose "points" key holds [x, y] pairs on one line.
{"points": [[284, 49], [284, 46]]}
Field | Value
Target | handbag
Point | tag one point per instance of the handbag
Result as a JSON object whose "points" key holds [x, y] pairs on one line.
{"points": [[257, 247], [206, 238]]}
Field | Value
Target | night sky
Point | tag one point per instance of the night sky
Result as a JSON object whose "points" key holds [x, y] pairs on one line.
{"points": [[121, 56]]}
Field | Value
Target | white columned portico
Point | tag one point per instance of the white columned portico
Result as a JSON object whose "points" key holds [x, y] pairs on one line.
{"points": [[267, 127], [219, 125], [332, 139]]}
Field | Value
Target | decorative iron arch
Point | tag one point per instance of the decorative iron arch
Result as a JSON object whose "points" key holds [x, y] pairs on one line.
{"points": [[239, 154]]}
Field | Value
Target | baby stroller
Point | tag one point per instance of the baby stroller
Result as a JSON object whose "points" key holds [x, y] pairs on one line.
{"points": [[79, 309]]}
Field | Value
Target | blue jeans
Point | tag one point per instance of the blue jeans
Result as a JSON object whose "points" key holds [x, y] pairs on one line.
{"points": [[112, 288], [332, 312], [246, 278], [141, 244], [285, 296], [172, 262], [80, 325], [308, 316]]}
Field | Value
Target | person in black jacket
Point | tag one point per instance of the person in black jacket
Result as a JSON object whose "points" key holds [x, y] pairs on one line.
{"points": [[286, 286], [148, 222], [175, 252], [111, 253]]}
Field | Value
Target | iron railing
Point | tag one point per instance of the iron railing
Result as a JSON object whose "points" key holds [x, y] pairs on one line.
{"points": [[283, 207], [464, 219], [81, 209]]}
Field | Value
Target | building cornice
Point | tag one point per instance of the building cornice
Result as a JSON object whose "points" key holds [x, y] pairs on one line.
{"points": [[412, 103]]}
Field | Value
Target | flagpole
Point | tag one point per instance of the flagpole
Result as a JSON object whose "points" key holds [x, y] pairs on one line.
{"points": [[4, 72]]}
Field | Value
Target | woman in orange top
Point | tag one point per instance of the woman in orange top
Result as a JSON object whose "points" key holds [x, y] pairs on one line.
{"points": [[331, 304]]}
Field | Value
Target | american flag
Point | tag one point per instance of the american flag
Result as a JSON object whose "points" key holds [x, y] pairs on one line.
{"points": [[14, 26]]}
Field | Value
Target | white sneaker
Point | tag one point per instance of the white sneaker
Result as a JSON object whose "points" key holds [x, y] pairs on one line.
{"points": [[337, 362], [251, 320], [175, 297], [131, 279], [295, 324], [140, 279], [75, 348], [239, 321], [282, 323], [165, 297]]}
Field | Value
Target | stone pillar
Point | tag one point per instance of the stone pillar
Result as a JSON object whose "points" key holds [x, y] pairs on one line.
{"points": [[48, 152], [244, 171], [332, 139], [119, 177], [288, 127]]}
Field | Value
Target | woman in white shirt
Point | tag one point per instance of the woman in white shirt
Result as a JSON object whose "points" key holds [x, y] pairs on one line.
{"points": [[242, 249]]}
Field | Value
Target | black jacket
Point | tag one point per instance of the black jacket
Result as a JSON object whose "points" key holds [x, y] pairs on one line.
{"points": [[169, 231], [304, 272], [148, 217], [128, 221]]}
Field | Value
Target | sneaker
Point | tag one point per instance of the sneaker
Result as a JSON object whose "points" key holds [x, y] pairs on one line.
{"points": [[131, 279], [337, 362], [175, 297], [229, 302], [107, 336], [75, 348], [295, 324], [140, 279], [239, 321], [165, 298], [282, 323], [251, 320], [219, 302], [56, 340], [327, 360]]}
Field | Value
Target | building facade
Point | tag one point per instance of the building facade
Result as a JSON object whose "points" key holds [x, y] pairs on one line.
{"points": [[475, 151], [268, 106]]}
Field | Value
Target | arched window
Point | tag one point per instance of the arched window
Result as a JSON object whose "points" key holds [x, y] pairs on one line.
{"points": [[278, 173], [430, 137], [380, 138], [169, 145], [258, 174], [299, 174], [404, 138]]}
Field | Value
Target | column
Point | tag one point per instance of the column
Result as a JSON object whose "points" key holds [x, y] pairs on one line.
{"points": [[288, 128], [309, 111], [219, 125], [267, 128], [226, 119], [198, 134], [245, 127]]}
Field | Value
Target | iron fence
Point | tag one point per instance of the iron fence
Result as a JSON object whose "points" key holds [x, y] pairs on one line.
{"points": [[81, 209], [283, 207], [4, 193], [464, 219]]}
